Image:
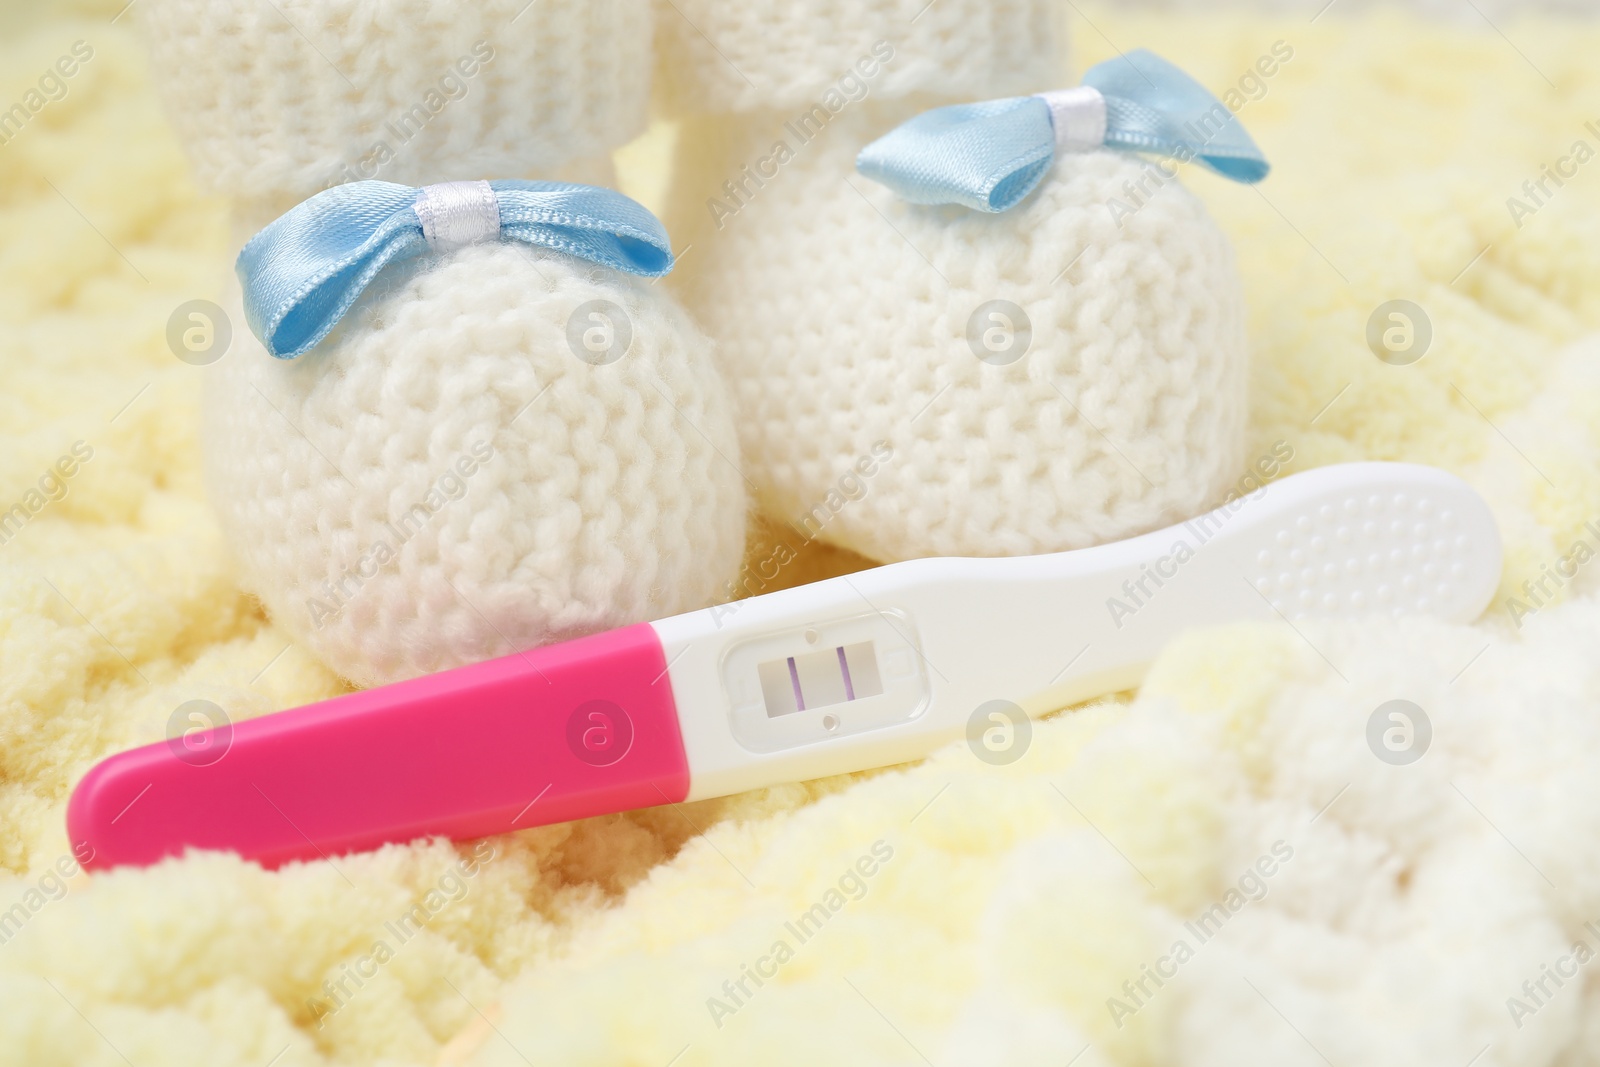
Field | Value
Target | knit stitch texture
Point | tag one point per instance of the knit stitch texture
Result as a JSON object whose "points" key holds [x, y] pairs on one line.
{"points": [[718, 56], [443, 480], [277, 100], [1116, 403]]}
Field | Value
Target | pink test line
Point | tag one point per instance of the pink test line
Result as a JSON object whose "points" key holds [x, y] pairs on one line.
{"points": [[794, 680]]}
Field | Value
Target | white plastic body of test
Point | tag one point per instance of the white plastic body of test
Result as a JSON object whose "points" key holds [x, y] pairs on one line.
{"points": [[1346, 541]]}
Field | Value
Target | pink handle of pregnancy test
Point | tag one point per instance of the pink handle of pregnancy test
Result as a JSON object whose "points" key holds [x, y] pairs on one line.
{"points": [[564, 732]]}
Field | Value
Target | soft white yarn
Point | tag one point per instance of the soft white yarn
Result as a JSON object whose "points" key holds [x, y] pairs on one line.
{"points": [[613, 495], [720, 56], [275, 99], [841, 317]]}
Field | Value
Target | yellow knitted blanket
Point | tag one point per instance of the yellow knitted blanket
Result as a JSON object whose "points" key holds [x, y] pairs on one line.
{"points": [[1216, 869]]}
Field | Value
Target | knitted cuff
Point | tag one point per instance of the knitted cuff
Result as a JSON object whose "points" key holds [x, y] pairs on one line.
{"points": [[276, 101], [716, 56], [916, 381], [497, 448]]}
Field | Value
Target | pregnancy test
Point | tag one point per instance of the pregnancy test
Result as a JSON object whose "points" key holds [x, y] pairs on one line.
{"points": [[867, 670]]}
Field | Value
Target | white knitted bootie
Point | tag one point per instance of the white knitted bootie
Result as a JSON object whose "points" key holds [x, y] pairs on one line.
{"points": [[914, 379], [486, 427], [497, 446]]}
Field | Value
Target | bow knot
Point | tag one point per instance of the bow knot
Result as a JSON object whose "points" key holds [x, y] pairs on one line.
{"points": [[457, 214], [305, 270], [988, 156]]}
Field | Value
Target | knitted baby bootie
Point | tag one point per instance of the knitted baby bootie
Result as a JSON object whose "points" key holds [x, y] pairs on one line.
{"points": [[485, 428], [484, 431], [917, 378]]}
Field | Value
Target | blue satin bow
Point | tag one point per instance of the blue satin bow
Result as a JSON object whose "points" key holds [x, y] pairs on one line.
{"points": [[988, 156], [302, 273]]}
